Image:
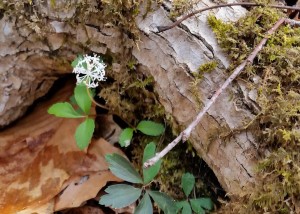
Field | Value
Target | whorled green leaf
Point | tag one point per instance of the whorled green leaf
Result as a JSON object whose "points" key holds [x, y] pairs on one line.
{"points": [[150, 128], [199, 204], [125, 137], [92, 91], [120, 195], [82, 98], [164, 202], [84, 133], [184, 207], [151, 172], [187, 183], [65, 110], [74, 103], [76, 60], [145, 206], [122, 168], [72, 100]]}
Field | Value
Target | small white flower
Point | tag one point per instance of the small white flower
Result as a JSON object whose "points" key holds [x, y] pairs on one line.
{"points": [[90, 70]]}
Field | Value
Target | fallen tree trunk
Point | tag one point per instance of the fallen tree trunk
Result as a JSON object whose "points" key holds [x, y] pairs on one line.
{"points": [[31, 58]]}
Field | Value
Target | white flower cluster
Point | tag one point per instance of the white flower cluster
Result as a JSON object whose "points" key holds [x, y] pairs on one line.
{"points": [[90, 70]]}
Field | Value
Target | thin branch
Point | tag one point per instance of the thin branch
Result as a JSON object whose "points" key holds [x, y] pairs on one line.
{"points": [[292, 22], [187, 132], [164, 28]]}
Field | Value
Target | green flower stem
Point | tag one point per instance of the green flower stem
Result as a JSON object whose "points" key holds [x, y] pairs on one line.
{"points": [[104, 107]]}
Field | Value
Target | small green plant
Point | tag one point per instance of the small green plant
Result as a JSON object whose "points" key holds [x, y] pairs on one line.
{"points": [[149, 128], [122, 195], [89, 70], [82, 104], [198, 205]]}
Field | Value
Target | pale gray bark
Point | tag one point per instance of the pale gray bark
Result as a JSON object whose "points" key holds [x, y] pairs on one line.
{"points": [[29, 64]]}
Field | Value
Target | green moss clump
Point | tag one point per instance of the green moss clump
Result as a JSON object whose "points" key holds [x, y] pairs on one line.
{"points": [[180, 7], [130, 95], [205, 68], [277, 123]]}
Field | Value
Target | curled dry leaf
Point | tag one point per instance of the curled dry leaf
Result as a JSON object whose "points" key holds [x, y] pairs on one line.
{"points": [[38, 156]]}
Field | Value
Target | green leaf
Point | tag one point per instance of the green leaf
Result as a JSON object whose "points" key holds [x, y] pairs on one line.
{"points": [[185, 206], [122, 168], [151, 172], [120, 195], [84, 133], [125, 137], [92, 91], [187, 183], [72, 100], [74, 103], [76, 60], [82, 98], [145, 206], [150, 128], [164, 202], [65, 110], [199, 204]]}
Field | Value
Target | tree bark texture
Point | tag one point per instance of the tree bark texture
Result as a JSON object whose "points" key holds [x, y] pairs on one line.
{"points": [[29, 64]]}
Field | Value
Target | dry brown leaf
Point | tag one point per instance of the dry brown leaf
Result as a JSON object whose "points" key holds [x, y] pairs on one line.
{"points": [[86, 210], [83, 189], [39, 154]]}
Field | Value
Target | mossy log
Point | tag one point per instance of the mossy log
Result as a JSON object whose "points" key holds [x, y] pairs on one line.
{"points": [[35, 53]]}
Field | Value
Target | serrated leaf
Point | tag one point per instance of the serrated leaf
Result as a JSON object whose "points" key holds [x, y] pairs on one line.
{"points": [[151, 172], [82, 98], [145, 206], [199, 204], [65, 110], [76, 60], [120, 195], [187, 183], [122, 168], [184, 206], [164, 202], [84, 133], [125, 137], [150, 128]]}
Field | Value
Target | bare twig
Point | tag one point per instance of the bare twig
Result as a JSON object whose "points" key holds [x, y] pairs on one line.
{"points": [[164, 28], [293, 23], [187, 132]]}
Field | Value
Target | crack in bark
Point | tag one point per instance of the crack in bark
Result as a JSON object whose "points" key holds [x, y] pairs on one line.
{"points": [[98, 28], [251, 142], [237, 142], [211, 116], [201, 39], [248, 173], [184, 96]]}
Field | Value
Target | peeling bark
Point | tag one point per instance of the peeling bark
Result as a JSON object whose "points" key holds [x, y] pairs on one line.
{"points": [[29, 64]]}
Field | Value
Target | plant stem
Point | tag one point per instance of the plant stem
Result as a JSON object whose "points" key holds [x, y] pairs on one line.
{"points": [[104, 107], [94, 101], [184, 135]]}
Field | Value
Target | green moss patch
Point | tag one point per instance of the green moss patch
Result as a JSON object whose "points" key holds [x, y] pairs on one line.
{"points": [[277, 124]]}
